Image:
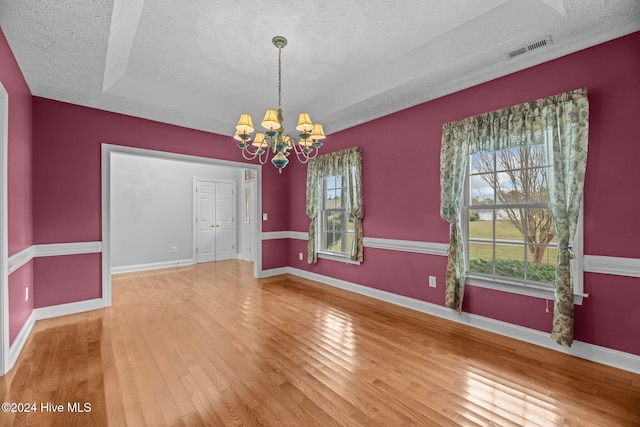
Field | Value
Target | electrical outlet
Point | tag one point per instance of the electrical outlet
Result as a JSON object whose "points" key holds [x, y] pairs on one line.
{"points": [[174, 249], [300, 256], [432, 281], [264, 216], [26, 294]]}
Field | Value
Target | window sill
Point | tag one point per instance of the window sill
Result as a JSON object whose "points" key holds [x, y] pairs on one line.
{"points": [[532, 291], [339, 258]]}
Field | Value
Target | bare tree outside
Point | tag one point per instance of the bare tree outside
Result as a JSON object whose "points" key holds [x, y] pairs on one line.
{"points": [[516, 176], [510, 229]]}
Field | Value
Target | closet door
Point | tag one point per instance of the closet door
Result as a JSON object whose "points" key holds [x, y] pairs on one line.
{"points": [[215, 227], [205, 221], [225, 224]]}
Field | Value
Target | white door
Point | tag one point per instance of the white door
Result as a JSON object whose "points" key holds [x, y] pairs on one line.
{"points": [[225, 224], [215, 227], [205, 222]]}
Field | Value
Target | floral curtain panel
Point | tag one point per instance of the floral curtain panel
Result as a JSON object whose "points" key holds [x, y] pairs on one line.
{"points": [[561, 123], [348, 164]]}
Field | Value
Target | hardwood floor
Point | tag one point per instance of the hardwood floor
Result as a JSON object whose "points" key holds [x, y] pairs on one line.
{"points": [[210, 345]]}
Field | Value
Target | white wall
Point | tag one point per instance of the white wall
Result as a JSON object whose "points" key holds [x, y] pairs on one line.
{"points": [[151, 208]]}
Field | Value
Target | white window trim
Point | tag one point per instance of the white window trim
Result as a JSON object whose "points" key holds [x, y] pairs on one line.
{"points": [[503, 284], [336, 257]]}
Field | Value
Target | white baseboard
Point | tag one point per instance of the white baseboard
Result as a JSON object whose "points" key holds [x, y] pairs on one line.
{"points": [[45, 313], [151, 266], [69, 308], [275, 272], [16, 348], [617, 359]]}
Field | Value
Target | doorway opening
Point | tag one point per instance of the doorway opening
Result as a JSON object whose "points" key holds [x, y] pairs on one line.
{"points": [[107, 221]]}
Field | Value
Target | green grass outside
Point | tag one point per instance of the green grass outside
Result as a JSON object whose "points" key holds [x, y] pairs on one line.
{"points": [[504, 230], [509, 258], [512, 252]]}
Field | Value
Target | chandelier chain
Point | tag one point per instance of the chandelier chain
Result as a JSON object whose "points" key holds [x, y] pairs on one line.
{"points": [[279, 77]]}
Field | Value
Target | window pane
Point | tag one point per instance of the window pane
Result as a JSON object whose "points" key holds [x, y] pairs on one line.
{"points": [[509, 159], [336, 221], [337, 245], [510, 260], [537, 186], [509, 188], [541, 264], [540, 229], [337, 200], [481, 257], [481, 224], [481, 189], [324, 240], [329, 198], [509, 226], [482, 163]]}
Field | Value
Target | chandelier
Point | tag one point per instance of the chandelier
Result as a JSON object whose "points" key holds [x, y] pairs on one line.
{"points": [[274, 140]]}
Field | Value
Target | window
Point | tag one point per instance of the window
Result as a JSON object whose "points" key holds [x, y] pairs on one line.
{"points": [[510, 239], [334, 206], [557, 127], [336, 228]]}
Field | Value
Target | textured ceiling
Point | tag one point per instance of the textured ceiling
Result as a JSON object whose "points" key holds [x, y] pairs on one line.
{"points": [[200, 63]]}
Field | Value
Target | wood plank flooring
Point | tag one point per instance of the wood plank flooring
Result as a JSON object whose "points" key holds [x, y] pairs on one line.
{"points": [[208, 345]]}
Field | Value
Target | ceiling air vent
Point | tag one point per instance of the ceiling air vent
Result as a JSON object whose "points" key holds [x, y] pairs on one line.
{"points": [[530, 46]]}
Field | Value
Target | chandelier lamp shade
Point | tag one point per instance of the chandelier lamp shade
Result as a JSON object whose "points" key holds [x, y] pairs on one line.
{"points": [[273, 140]]}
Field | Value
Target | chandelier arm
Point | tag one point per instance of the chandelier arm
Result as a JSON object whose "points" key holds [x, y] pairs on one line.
{"points": [[302, 156], [263, 157], [248, 154]]}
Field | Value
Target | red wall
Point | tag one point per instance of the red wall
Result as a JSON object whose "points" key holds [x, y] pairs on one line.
{"points": [[67, 185], [402, 192], [19, 203]]}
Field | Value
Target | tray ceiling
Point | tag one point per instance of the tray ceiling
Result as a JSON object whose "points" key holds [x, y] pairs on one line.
{"points": [[199, 64]]}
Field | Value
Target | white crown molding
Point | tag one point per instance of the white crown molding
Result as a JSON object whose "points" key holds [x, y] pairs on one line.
{"points": [[151, 266], [595, 353], [612, 265]]}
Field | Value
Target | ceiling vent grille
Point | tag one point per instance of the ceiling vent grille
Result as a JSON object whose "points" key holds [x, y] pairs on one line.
{"points": [[530, 46]]}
